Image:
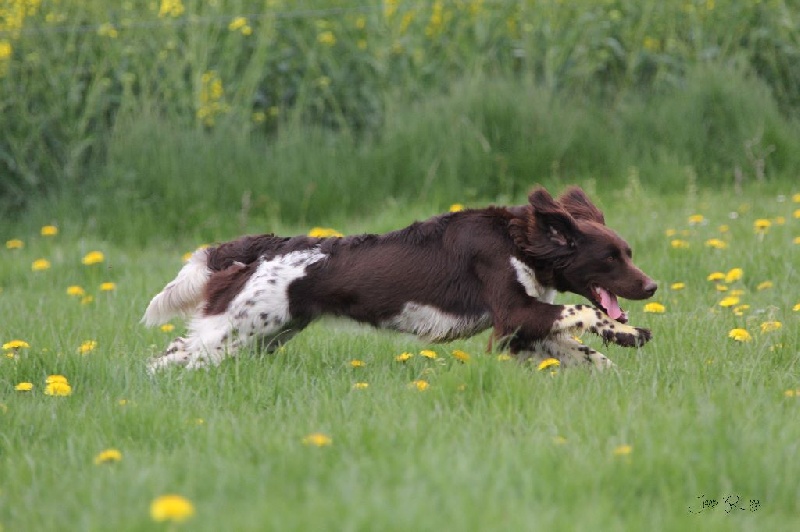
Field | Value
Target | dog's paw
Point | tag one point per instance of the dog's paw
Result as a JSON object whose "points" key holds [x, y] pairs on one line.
{"points": [[627, 337]]}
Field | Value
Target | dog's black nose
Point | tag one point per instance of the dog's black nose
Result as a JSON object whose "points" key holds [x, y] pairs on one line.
{"points": [[650, 288]]}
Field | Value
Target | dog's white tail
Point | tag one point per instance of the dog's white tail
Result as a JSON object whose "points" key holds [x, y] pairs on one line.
{"points": [[183, 294]]}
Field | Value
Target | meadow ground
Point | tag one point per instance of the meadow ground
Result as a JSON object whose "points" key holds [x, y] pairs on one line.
{"points": [[697, 430]]}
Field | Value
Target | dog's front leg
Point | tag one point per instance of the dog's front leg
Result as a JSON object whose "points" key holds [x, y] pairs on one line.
{"points": [[575, 319], [566, 350]]}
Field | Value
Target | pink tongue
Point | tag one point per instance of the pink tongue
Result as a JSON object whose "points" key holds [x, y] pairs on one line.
{"points": [[609, 303]]}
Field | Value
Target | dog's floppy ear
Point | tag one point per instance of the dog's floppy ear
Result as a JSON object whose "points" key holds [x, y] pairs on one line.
{"points": [[577, 203], [552, 220]]}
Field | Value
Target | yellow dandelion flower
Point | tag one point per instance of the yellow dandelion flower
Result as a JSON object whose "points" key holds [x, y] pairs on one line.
{"points": [[729, 301], [24, 387], [93, 257], [16, 344], [173, 508], [770, 326], [796, 308], [420, 385], [796, 213], [740, 335], [167, 327], [324, 232], [736, 292], [108, 286], [52, 379], [49, 230], [403, 357], [318, 439], [715, 276], [669, 233], [15, 243], [237, 23], [40, 265], [655, 308], [360, 385], [724, 228], [87, 347], [461, 356], [122, 402], [696, 219], [456, 207], [734, 274], [792, 393], [107, 30], [740, 310], [677, 286], [85, 300], [547, 363], [721, 288], [429, 354], [796, 198], [775, 347], [170, 8], [764, 285], [58, 389], [679, 244], [560, 440], [780, 220], [327, 38], [796, 240], [762, 225], [108, 456], [75, 290], [357, 363], [716, 243], [503, 357], [623, 450]]}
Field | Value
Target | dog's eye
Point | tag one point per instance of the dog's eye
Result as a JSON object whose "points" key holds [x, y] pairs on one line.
{"points": [[611, 258]]}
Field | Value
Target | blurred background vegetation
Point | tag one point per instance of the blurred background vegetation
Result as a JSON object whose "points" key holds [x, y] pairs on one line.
{"points": [[170, 117]]}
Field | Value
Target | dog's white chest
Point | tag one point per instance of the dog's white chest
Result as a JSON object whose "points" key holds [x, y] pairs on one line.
{"points": [[527, 278]]}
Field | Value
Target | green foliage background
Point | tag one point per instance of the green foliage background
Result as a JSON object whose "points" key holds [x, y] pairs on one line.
{"points": [[274, 110]]}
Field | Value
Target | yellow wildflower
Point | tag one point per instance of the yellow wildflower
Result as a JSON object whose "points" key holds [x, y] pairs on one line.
{"points": [[107, 30], [167, 327], [170, 8], [729, 301], [696, 219], [108, 287], [15, 344], [764, 286], [677, 286], [716, 243], [360, 385], [670, 233], [85, 300], [762, 225], [237, 23], [770, 326], [93, 257], [15, 243], [403, 357], [715, 276], [780, 220], [420, 385], [655, 308], [792, 393], [724, 228], [40, 265], [796, 213], [357, 363], [108, 456], [324, 232], [796, 240], [24, 387], [740, 309], [740, 335], [796, 308], [796, 198], [58, 389], [548, 362], [456, 207], [734, 275], [429, 354], [327, 38], [173, 508], [75, 290], [318, 439], [87, 346], [721, 287], [461, 356], [559, 440], [503, 357], [736, 292], [679, 244], [623, 450], [52, 379], [49, 230]]}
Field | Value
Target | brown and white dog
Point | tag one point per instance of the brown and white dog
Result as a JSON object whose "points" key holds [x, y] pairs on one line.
{"points": [[448, 277]]}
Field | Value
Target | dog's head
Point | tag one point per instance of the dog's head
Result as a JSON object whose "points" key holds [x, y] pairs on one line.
{"points": [[569, 239]]}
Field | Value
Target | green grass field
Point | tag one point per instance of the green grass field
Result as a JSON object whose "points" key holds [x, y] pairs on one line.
{"points": [[489, 444]]}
